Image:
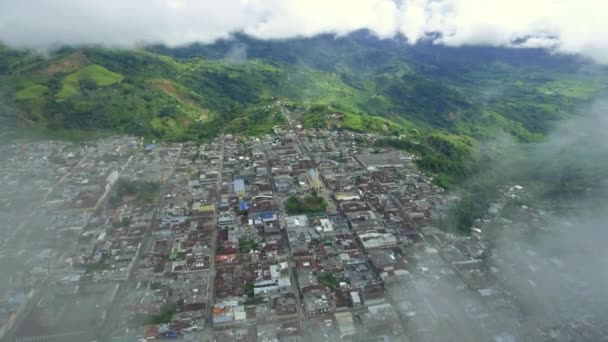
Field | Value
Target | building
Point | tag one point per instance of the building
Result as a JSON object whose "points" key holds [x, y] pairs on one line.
{"points": [[346, 196], [314, 180], [373, 295], [382, 160], [324, 226], [239, 187], [374, 240], [285, 184], [355, 299], [345, 324], [299, 221], [317, 301], [262, 208], [228, 313], [277, 282]]}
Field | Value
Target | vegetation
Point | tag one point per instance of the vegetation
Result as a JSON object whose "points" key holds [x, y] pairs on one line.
{"points": [[353, 82], [328, 116], [450, 157], [88, 77], [328, 280], [139, 192], [97, 267], [249, 289], [310, 204], [32, 91], [246, 245], [165, 315]]}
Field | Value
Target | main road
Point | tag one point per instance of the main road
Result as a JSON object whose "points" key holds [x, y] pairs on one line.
{"points": [[212, 265]]}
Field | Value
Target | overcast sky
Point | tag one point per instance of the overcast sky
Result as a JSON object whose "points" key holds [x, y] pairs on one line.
{"points": [[572, 26]]}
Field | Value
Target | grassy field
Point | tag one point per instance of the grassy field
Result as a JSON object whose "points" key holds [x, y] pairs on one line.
{"points": [[32, 91], [570, 88], [96, 74]]}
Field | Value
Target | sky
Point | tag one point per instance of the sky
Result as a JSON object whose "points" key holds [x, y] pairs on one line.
{"points": [[567, 26]]}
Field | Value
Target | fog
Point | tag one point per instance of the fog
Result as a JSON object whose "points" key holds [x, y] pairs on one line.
{"points": [[542, 272], [237, 54], [555, 261]]}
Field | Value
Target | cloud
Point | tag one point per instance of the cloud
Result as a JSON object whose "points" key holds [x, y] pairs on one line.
{"points": [[555, 264], [544, 261], [572, 26], [569, 26], [237, 54]]}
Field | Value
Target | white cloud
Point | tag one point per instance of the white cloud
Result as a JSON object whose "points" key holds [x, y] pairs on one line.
{"points": [[284, 19], [577, 26]]}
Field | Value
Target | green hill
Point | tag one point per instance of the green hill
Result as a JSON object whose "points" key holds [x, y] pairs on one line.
{"points": [[90, 76], [32, 91], [437, 97], [164, 94]]}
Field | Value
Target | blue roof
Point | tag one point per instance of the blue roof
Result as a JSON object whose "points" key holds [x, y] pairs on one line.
{"points": [[244, 206], [266, 215]]}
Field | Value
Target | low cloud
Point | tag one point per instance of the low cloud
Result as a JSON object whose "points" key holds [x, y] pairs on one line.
{"points": [[567, 26], [542, 276], [237, 54], [558, 261]]}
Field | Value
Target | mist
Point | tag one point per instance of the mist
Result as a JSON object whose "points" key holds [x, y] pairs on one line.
{"points": [[536, 270], [533, 267], [237, 54], [552, 254]]}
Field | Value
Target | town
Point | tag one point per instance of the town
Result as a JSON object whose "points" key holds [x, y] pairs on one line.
{"points": [[299, 235]]}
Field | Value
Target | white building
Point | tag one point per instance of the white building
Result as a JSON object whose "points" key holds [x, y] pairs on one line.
{"points": [[373, 240]]}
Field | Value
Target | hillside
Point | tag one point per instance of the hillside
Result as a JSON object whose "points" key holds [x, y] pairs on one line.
{"points": [[443, 100], [189, 92], [468, 90]]}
